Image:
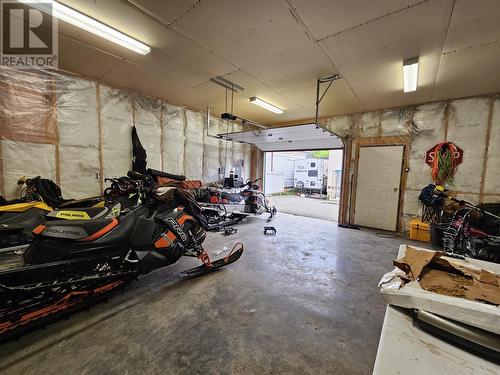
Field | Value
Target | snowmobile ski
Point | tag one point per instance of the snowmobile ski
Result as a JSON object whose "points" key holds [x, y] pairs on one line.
{"points": [[205, 268]]}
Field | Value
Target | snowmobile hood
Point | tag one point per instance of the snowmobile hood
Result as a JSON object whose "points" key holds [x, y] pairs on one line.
{"points": [[21, 207]]}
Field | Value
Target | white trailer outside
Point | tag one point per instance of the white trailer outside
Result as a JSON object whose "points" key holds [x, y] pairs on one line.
{"points": [[309, 174]]}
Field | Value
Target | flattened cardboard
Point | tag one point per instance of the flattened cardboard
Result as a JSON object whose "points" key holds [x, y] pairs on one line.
{"points": [[451, 278], [470, 310]]}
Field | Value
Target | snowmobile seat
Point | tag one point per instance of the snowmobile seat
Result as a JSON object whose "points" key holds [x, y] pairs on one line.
{"points": [[80, 213], [81, 230], [233, 197]]}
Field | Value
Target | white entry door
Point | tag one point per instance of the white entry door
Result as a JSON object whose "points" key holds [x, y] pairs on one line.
{"points": [[377, 189]]}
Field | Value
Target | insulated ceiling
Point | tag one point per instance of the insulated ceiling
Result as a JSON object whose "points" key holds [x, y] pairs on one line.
{"points": [[290, 138], [277, 49]]}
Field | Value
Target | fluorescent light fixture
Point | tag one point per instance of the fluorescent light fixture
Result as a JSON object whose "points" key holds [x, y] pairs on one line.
{"points": [[91, 25], [266, 105], [410, 74]]}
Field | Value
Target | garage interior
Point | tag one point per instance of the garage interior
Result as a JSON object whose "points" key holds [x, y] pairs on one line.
{"points": [[162, 122]]}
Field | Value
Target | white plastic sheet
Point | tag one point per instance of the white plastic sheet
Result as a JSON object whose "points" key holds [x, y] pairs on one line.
{"points": [[369, 124], [429, 122], [116, 127], [193, 149], [56, 122], [147, 119], [173, 139], [211, 161], [77, 124], [467, 128], [492, 177], [340, 125], [25, 113], [26, 159], [79, 172], [396, 122]]}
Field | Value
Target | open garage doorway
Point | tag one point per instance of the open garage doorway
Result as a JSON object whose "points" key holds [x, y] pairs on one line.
{"points": [[304, 183], [301, 168]]}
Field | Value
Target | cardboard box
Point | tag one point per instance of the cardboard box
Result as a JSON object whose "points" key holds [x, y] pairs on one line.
{"points": [[405, 289]]}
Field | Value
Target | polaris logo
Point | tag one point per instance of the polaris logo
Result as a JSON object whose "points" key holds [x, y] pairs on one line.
{"points": [[64, 232], [177, 228], [61, 231], [80, 215]]}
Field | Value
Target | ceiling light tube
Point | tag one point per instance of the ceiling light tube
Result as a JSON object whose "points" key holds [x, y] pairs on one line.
{"points": [[266, 105], [410, 74], [91, 25]]}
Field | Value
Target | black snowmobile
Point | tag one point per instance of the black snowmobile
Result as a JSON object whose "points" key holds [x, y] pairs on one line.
{"points": [[71, 264]]}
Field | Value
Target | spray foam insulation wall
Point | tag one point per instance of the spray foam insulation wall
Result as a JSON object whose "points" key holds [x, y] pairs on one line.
{"points": [[76, 132]]}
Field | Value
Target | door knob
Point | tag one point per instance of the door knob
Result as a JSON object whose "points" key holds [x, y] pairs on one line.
{"points": [[395, 189]]}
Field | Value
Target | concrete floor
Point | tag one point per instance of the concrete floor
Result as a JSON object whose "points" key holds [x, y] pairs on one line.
{"points": [[306, 206], [304, 301]]}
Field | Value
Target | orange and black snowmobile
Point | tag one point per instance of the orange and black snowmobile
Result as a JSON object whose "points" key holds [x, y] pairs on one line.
{"points": [[72, 263]]}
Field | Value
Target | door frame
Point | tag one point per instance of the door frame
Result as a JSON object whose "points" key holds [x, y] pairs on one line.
{"points": [[384, 141]]}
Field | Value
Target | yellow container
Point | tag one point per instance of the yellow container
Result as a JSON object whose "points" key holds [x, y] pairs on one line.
{"points": [[420, 231]]}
